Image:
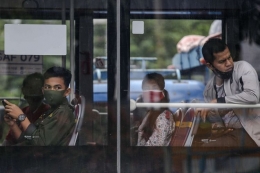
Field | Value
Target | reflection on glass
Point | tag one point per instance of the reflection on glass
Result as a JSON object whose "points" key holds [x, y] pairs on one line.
{"points": [[175, 46]]}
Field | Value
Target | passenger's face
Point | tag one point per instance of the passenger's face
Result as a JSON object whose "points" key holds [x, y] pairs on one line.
{"points": [[57, 84], [151, 85], [223, 61], [33, 93], [33, 100], [152, 92], [33, 88]]}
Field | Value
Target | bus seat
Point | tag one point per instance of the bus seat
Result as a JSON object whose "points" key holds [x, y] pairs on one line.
{"points": [[177, 117], [184, 135], [79, 115], [194, 128]]}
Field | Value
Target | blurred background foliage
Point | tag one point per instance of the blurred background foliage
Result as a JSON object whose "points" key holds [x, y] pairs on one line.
{"points": [[11, 84], [161, 37], [159, 40]]}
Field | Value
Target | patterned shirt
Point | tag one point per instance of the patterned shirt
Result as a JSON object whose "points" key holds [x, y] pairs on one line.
{"points": [[162, 134]]}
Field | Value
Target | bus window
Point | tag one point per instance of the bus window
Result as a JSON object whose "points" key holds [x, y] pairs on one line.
{"points": [[111, 47], [100, 85], [15, 67], [175, 46]]}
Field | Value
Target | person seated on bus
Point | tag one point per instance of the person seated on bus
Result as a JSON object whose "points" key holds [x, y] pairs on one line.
{"points": [[233, 82], [32, 92], [158, 125], [54, 127]]}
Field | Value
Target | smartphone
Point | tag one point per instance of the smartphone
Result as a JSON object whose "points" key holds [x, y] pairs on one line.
{"points": [[4, 104]]}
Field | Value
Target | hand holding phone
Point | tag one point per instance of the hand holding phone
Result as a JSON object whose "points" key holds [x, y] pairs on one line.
{"points": [[3, 102], [7, 118]]}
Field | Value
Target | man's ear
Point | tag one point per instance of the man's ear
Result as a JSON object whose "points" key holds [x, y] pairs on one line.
{"points": [[209, 66], [67, 92]]}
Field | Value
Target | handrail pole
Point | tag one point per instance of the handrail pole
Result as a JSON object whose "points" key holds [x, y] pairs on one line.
{"points": [[72, 49]]}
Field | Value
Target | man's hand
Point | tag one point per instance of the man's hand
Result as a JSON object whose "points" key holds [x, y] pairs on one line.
{"points": [[204, 111], [214, 101], [13, 126], [12, 110], [9, 120]]}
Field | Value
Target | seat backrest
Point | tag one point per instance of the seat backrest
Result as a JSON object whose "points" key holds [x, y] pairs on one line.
{"points": [[177, 117], [195, 125], [79, 110], [191, 132], [183, 135]]}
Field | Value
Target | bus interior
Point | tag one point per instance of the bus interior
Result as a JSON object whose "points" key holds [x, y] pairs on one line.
{"points": [[109, 46]]}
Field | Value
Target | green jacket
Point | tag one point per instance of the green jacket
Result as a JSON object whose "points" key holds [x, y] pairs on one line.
{"points": [[54, 128]]}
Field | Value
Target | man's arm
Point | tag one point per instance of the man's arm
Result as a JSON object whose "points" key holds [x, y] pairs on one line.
{"points": [[248, 86], [204, 111], [52, 130], [14, 111], [14, 129]]}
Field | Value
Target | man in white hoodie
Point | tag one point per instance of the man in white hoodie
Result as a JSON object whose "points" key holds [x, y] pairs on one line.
{"points": [[233, 82]]}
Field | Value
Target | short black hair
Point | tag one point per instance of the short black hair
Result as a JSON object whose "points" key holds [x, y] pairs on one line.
{"points": [[213, 45], [34, 76], [59, 72]]}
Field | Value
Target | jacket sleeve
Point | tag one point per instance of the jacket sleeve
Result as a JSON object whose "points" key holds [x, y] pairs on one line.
{"points": [[248, 85], [209, 93], [52, 131]]}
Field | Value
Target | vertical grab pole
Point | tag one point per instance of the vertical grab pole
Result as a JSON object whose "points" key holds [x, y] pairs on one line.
{"points": [[63, 22], [72, 49], [118, 84]]}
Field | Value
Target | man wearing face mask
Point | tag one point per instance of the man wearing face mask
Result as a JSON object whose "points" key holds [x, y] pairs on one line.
{"points": [[233, 82], [54, 127], [32, 91]]}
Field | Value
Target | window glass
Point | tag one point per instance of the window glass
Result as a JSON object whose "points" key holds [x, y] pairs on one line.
{"points": [[171, 49], [14, 68], [137, 71]]}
